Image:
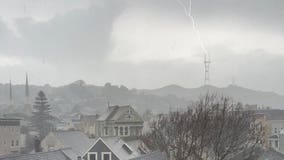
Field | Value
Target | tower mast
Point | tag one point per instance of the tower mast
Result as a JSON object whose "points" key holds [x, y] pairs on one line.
{"points": [[207, 69]]}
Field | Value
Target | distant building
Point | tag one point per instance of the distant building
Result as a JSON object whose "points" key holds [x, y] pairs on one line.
{"points": [[275, 122], [88, 123], [122, 121], [10, 136]]}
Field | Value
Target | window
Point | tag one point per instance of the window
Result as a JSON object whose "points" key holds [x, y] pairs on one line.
{"points": [[116, 131], [92, 156], [106, 131], [121, 131], [275, 130], [12, 143], [126, 130], [276, 144], [137, 131], [17, 142], [106, 156]]}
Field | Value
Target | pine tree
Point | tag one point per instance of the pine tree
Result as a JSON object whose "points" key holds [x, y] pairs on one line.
{"points": [[41, 116]]}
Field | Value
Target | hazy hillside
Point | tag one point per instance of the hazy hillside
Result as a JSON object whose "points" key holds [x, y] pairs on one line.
{"points": [[81, 97], [238, 93]]}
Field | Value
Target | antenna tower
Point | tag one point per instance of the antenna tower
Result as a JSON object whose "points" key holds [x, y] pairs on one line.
{"points": [[207, 69]]}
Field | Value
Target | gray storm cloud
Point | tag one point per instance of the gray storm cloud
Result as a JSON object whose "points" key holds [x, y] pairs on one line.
{"points": [[80, 44]]}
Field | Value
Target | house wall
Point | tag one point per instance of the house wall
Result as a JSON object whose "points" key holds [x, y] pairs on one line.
{"points": [[10, 139], [114, 129], [276, 126], [100, 147], [281, 143]]}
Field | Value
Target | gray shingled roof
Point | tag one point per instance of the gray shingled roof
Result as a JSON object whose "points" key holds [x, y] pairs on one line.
{"points": [[116, 145], [77, 141], [152, 156], [115, 112], [259, 154], [52, 155]]}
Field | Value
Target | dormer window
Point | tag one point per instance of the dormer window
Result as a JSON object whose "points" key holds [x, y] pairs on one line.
{"points": [[127, 149]]}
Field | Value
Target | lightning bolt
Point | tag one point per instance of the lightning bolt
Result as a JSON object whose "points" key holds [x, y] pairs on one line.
{"points": [[187, 7]]}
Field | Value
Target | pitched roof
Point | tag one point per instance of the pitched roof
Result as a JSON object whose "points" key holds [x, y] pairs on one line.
{"points": [[117, 146], [115, 112], [260, 154], [52, 155], [77, 141], [152, 156], [137, 144]]}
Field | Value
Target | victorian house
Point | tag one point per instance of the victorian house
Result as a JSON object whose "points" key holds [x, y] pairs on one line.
{"points": [[121, 121]]}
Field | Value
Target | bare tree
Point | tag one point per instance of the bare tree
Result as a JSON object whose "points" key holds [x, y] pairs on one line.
{"points": [[212, 128]]}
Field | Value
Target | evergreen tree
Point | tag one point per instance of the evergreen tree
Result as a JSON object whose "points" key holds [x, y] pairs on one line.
{"points": [[41, 115]]}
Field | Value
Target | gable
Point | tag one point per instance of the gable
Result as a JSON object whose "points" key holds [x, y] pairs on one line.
{"points": [[130, 115], [100, 147]]}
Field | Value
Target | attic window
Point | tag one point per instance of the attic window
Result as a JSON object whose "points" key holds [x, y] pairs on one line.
{"points": [[127, 149]]}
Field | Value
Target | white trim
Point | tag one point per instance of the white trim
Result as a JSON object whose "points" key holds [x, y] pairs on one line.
{"points": [[96, 143], [89, 153], [106, 129], [103, 153], [128, 130], [120, 131]]}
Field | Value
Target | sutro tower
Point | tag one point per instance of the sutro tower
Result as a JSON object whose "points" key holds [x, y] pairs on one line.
{"points": [[11, 104], [27, 92], [207, 69]]}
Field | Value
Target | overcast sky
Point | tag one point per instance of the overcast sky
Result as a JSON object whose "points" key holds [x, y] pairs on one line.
{"points": [[142, 43]]}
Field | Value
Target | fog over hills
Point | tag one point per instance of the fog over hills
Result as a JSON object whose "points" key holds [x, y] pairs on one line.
{"points": [[244, 95], [89, 99]]}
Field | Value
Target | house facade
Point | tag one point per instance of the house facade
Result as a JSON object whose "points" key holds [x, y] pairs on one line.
{"points": [[275, 129], [122, 121], [100, 151], [10, 136], [112, 148], [88, 123]]}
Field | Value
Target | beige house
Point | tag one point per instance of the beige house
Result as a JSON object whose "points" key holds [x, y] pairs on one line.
{"points": [[10, 135], [122, 121], [88, 124]]}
